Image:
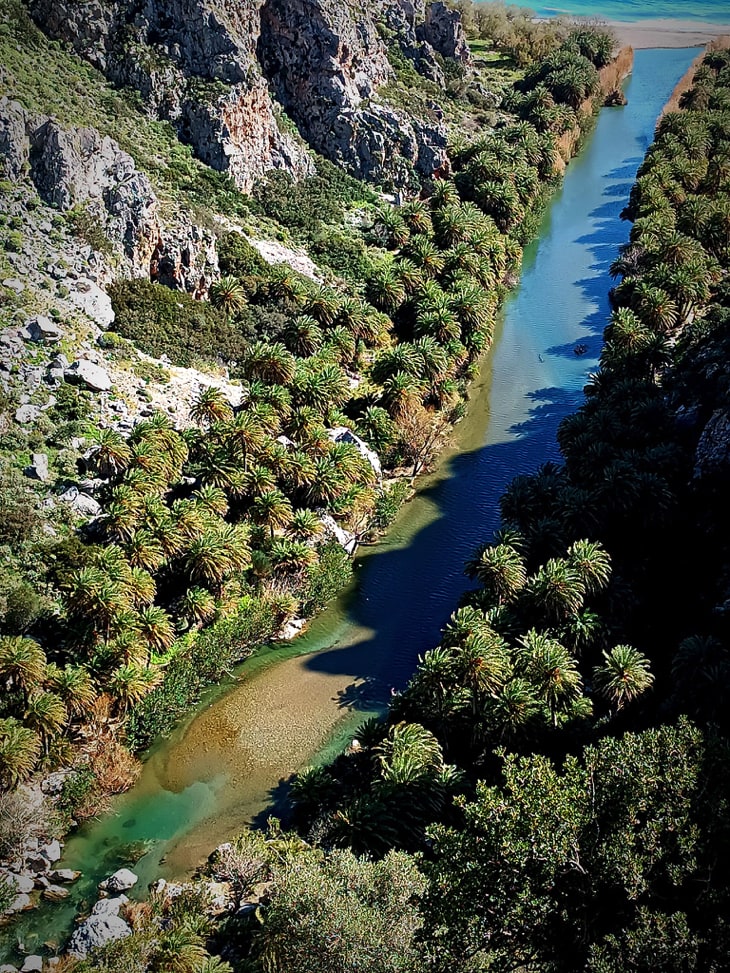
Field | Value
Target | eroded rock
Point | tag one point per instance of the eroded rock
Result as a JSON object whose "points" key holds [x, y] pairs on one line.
{"points": [[95, 932], [122, 880]]}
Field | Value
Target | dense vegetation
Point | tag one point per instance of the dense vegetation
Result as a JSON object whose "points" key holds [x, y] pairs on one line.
{"points": [[575, 709]]}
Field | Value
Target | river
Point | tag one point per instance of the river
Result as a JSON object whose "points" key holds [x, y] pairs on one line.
{"points": [[293, 705]]}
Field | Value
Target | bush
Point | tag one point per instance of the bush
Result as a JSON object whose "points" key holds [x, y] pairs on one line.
{"points": [[165, 322], [72, 405], [325, 578], [344, 253]]}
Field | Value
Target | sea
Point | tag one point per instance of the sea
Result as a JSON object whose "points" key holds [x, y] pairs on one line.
{"points": [[708, 11]]}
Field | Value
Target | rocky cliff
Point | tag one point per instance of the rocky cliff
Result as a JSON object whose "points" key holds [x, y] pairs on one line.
{"points": [[210, 67]]}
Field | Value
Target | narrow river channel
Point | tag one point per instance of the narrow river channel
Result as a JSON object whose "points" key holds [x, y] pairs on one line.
{"points": [[292, 705]]}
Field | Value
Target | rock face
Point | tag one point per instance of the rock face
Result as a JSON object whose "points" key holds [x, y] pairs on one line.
{"points": [[79, 167], [444, 31], [712, 457], [193, 62], [207, 66], [326, 63]]}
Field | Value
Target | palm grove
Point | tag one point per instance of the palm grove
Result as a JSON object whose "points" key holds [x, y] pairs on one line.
{"points": [[538, 797]]}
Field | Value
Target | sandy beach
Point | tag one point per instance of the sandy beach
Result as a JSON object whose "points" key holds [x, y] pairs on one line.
{"points": [[667, 33]]}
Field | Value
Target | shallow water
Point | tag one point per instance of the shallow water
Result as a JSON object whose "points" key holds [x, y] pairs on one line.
{"points": [[292, 705], [709, 11]]}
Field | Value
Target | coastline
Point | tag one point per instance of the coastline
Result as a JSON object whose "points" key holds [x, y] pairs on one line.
{"points": [[666, 32]]}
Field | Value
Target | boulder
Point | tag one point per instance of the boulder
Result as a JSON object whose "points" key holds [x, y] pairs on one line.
{"points": [[55, 893], [52, 850], [20, 903], [37, 863], [81, 503], [95, 932], [292, 628], [41, 328], [32, 964], [94, 302], [63, 875], [38, 469], [120, 881], [87, 373], [343, 537], [109, 907], [22, 883], [27, 413]]}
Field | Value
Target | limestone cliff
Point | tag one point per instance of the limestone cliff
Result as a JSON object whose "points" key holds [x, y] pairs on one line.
{"points": [[211, 67]]}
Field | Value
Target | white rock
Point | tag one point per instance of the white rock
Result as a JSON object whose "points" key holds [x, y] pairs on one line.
{"points": [[82, 503], [22, 883], [63, 875], [41, 328], [32, 964], [27, 413], [91, 375], [95, 932], [38, 469], [109, 907], [52, 850], [120, 881], [20, 903]]}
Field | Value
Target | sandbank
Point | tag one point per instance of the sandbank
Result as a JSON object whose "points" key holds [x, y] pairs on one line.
{"points": [[667, 32]]}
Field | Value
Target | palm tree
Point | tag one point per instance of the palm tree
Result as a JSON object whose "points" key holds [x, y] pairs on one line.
{"points": [[557, 589], [323, 304], [207, 559], [401, 391], [327, 484], [75, 686], [516, 707], [409, 754], [110, 452], [210, 499], [552, 671], [592, 563], [272, 509], [22, 663], [197, 606], [19, 751], [300, 470], [483, 666], [424, 253], [655, 307], [376, 427], [271, 363], [501, 571], [259, 480], [46, 714], [305, 525], [417, 216], [444, 194], [145, 551], [246, 434], [210, 406], [291, 557], [139, 586], [303, 335], [129, 684], [624, 675], [155, 628], [385, 289], [228, 295], [390, 227]]}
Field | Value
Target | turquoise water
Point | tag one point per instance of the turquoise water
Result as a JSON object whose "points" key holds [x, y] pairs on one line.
{"points": [[710, 11], [406, 588]]}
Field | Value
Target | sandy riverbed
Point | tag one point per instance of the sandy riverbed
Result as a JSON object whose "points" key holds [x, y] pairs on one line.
{"points": [[667, 33]]}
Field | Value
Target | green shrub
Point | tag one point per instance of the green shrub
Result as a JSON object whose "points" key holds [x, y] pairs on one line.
{"points": [[161, 321], [76, 788], [86, 227], [14, 241], [325, 578], [344, 253], [389, 503], [72, 405]]}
